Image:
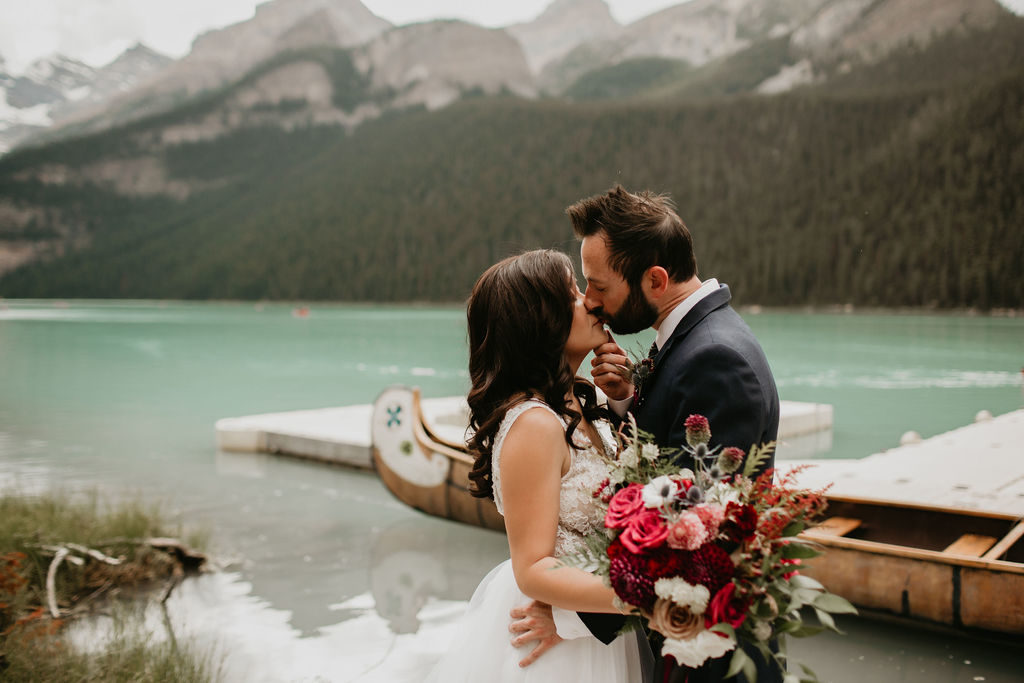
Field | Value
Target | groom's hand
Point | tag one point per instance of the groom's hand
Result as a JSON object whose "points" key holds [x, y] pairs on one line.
{"points": [[534, 622], [611, 370]]}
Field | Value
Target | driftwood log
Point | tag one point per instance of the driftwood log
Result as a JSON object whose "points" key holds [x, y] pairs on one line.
{"points": [[185, 561]]}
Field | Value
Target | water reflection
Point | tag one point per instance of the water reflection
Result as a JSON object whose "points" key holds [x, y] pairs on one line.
{"points": [[416, 561]]}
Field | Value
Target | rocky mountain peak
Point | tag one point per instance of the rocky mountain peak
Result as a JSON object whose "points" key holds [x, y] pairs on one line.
{"points": [[409, 61], [870, 29], [564, 25]]}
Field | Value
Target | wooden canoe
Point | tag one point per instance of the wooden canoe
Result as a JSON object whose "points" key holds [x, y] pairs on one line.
{"points": [[421, 469], [956, 567]]}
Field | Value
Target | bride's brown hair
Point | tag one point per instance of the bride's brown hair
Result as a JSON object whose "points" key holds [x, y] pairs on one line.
{"points": [[520, 314]]}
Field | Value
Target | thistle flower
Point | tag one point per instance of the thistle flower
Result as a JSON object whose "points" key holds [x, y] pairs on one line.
{"points": [[730, 459], [697, 430]]}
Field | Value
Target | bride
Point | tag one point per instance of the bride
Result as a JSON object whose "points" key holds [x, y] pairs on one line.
{"points": [[537, 441]]}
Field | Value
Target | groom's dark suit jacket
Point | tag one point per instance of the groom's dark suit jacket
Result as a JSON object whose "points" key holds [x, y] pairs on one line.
{"points": [[713, 366]]}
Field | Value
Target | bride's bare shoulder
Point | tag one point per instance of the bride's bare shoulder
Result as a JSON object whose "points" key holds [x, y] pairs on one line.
{"points": [[535, 426]]}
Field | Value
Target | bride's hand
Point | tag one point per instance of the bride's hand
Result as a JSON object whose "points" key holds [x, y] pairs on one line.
{"points": [[612, 370]]}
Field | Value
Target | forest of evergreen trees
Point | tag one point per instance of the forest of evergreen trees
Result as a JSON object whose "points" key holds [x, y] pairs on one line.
{"points": [[879, 196]]}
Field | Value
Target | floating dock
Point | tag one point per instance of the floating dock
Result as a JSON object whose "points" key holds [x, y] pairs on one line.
{"points": [[342, 435], [977, 467]]}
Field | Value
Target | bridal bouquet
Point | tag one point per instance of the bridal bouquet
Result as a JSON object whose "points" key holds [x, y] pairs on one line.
{"points": [[709, 557]]}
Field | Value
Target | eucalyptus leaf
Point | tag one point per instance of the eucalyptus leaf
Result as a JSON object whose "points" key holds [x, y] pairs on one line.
{"points": [[739, 658], [835, 604], [799, 551], [826, 619], [804, 581]]}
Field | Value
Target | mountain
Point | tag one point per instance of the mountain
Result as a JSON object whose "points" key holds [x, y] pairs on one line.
{"points": [[399, 168], [695, 33], [220, 57], [824, 195], [436, 62], [868, 30], [561, 27], [711, 48], [54, 88]]}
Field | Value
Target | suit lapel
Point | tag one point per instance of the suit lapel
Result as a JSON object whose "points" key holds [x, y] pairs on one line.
{"points": [[712, 302], [704, 307]]}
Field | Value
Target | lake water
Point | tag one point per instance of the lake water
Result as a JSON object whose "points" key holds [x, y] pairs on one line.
{"points": [[330, 578]]}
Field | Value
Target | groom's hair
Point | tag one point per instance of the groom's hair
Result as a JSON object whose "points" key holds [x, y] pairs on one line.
{"points": [[641, 229]]}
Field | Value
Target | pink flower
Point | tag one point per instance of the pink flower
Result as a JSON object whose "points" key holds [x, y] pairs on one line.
{"points": [[623, 506], [724, 607], [689, 533], [644, 530], [711, 515]]}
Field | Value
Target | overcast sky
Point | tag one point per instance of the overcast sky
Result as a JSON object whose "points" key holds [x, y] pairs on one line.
{"points": [[96, 31]]}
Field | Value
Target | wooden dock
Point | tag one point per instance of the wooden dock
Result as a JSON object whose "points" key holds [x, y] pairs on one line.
{"points": [[342, 435], [977, 467]]}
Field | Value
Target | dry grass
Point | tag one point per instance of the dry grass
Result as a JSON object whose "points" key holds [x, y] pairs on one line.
{"points": [[32, 646]]}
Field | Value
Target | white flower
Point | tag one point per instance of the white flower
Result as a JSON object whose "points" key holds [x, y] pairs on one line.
{"points": [[629, 457], [694, 598], [687, 473], [660, 491], [650, 452], [616, 476], [762, 630], [723, 494], [694, 652]]}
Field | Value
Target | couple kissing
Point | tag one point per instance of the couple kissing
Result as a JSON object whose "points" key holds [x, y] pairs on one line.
{"points": [[540, 438]]}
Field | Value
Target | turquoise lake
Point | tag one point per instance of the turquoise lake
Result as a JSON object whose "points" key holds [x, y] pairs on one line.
{"points": [[323, 567]]}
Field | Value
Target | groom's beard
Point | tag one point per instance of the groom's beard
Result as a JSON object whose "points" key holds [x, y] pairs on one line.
{"points": [[636, 314]]}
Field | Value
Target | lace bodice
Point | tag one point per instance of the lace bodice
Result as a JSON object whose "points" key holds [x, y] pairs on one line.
{"points": [[579, 514]]}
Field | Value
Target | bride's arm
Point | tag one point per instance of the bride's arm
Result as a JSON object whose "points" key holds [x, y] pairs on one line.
{"points": [[531, 476]]}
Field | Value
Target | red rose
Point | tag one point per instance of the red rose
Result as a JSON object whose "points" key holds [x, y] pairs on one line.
{"points": [[724, 607], [644, 530], [623, 506]]}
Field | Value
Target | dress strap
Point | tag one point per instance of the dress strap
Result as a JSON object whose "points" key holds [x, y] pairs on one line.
{"points": [[511, 415]]}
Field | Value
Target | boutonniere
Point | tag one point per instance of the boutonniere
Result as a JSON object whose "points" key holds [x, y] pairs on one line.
{"points": [[640, 372]]}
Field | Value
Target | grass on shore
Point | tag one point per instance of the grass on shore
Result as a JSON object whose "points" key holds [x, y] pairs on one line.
{"points": [[32, 643]]}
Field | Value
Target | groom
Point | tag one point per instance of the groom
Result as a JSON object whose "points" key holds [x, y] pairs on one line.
{"points": [[641, 272]]}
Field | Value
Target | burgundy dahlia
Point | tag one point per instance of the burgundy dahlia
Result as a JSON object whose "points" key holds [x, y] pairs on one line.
{"points": [[708, 566], [630, 582]]}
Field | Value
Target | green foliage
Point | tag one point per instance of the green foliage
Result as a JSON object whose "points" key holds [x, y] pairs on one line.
{"points": [[730, 75], [132, 655], [626, 79]]}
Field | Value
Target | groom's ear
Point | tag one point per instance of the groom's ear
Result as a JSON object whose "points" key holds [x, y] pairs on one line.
{"points": [[655, 281]]}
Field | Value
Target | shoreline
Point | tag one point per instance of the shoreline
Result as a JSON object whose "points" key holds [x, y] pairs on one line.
{"points": [[745, 308]]}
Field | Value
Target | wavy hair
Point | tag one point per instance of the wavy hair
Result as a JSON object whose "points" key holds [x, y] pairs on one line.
{"points": [[519, 317]]}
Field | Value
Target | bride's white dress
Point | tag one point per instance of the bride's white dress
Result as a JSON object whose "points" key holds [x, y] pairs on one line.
{"points": [[481, 649]]}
